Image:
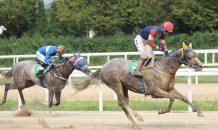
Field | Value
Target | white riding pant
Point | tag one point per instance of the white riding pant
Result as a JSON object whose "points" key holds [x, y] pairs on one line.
{"points": [[41, 57], [143, 48]]}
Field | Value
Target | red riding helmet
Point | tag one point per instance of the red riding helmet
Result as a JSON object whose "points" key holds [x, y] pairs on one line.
{"points": [[168, 26]]}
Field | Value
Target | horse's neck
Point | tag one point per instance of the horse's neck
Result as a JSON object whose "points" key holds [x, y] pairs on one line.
{"points": [[67, 67], [172, 64]]}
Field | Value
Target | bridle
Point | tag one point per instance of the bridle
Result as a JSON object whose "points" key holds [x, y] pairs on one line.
{"points": [[185, 60], [55, 72]]}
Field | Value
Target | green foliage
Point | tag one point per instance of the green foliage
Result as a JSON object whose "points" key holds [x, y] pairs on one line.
{"points": [[17, 15], [117, 43]]}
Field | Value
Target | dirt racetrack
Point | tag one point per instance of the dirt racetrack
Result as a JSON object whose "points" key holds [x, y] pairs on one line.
{"points": [[109, 120], [116, 120]]}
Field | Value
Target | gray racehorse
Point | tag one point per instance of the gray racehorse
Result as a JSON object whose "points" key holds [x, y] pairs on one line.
{"points": [[158, 82], [55, 79]]}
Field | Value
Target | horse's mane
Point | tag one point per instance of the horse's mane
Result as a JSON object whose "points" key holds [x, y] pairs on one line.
{"points": [[175, 49], [170, 52], [63, 61]]}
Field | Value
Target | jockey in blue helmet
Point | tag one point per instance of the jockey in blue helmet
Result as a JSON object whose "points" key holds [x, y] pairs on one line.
{"points": [[46, 53]]}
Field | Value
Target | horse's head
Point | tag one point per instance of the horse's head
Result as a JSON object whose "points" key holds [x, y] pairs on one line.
{"points": [[81, 64], [190, 57]]}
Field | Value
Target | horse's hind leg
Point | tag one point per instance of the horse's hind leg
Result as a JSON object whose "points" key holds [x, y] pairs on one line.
{"points": [[179, 96], [126, 96], [28, 84], [163, 94], [124, 104], [7, 87]]}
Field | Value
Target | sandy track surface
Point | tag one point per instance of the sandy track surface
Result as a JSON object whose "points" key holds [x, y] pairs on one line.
{"points": [[199, 92], [82, 120]]}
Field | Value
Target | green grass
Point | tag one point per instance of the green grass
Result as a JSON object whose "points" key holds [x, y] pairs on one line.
{"points": [[178, 79], [110, 105]]}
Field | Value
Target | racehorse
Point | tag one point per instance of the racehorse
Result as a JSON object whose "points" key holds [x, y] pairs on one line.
{"points": [[158, 81], [55, 79]]}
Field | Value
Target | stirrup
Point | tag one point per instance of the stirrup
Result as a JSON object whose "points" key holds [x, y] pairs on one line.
{"points": [[40, 76], [137, 73]]}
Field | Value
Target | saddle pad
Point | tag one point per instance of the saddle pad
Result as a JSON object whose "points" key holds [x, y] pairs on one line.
{"points": [[134, 63], [37, 69], [132, 67]]}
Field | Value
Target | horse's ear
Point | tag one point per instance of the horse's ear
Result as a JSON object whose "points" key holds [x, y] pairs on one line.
{"points": [[74, 55], [79, 53], [184, 46], [190, 45]]}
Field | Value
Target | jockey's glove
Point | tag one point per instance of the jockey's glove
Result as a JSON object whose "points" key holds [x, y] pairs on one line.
{"points": [[52, 66], [166, 52], [160, 48]]}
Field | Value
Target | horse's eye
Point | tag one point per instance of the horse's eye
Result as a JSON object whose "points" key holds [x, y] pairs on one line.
{"points": [[80, 62], [190, 55]]}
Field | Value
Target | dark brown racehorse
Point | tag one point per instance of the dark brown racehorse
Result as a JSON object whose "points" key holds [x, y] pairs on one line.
{"points": [[55, 79], [158, 82]]}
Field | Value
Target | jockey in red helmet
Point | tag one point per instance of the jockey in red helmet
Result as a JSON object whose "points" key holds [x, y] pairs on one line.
{"points": [[144, 42]]}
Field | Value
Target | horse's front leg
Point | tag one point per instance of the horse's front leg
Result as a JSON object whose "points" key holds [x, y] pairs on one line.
{"points": [[57, 97], [163, 94], [179, 96], [50, 104], [22, 98]]}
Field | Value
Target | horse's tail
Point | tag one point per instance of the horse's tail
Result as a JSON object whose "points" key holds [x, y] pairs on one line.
{"points": [[6, 75], [88, 81]]}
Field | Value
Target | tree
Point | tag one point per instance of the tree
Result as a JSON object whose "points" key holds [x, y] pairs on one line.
{"points": [[55, 26], [17, 15]]}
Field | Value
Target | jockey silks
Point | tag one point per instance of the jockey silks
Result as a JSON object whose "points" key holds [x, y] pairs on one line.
{"points": [[49, 51], [144, 33]]}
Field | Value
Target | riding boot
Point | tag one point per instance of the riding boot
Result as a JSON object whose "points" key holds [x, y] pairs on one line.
{"points": [[137, 73], [40, 74]]}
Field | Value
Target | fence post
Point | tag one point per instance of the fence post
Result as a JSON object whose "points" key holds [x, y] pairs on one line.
{"points": [[189, 92], [100, 98], [115, 96], [46, 94]]}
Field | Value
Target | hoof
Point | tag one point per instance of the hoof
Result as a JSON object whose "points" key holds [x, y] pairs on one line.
{"points": [[22, 106], [200, 114], [134, 125], [139, 118], [161, 111], [44, 103]]}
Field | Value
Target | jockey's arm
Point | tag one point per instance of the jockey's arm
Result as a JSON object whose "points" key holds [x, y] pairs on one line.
{"points": [[46, 58], [151, 38], [61, 58], [163, 42]]}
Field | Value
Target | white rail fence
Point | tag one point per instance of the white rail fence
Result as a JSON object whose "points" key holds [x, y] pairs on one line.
{"points": [[181, 72]]}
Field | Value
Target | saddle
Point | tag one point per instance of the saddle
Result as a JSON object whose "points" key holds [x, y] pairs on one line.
{"points": [[145, 66], [38, 65]]}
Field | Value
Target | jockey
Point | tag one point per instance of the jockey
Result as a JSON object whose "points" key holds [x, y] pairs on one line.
{"points": [[144, 42], [46, 53]]}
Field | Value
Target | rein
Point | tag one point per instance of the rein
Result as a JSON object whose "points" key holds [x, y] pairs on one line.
{"points": [[56, 75], [172, 75]]}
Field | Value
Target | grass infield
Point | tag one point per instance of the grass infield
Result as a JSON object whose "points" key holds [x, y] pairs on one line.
{"points": [[110, 105]]}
